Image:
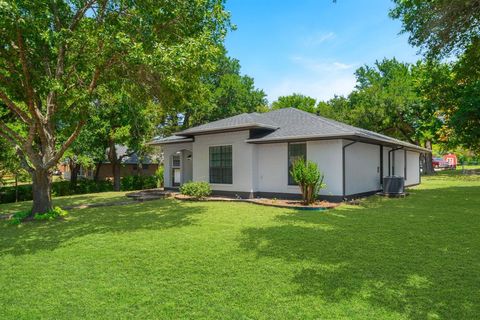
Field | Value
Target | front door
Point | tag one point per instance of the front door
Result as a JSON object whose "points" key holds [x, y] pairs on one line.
{"points": [[176, 177]]}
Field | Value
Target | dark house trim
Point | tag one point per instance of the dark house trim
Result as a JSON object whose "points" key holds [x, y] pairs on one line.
{"points": [[391, 170], [381, 165], [282, 195], [344, 176]]}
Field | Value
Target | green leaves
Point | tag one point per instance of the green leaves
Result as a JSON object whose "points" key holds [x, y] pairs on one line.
{"points": [[309, 178], [296, 100]]}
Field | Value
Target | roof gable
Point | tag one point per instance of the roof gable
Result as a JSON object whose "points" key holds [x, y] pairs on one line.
{"points": [[238, 122]]}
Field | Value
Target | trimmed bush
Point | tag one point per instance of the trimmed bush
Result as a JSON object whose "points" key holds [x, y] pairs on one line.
{"points": [[309, 179], [198, 190]]}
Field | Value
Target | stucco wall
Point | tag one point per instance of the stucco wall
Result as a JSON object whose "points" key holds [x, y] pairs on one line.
{"points": [[396, 162], [327, 154], [272, 162], [413, 168], [263, 167], [242, 160], [362, 168]]}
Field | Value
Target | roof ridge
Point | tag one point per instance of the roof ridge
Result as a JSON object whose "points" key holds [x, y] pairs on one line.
{"points": [[328, 121]]}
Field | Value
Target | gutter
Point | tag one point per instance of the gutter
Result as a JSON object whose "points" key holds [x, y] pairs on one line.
{"points": [[343, 168], [389, 163]]}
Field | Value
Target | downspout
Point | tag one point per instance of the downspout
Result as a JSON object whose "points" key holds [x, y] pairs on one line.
{"points": [[389, 164], [343, 167], [381, 165]]}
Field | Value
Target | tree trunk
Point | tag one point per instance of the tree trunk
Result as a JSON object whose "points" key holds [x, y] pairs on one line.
{"points": [[16, 187], [74, 170], [41, 188], [116, 175], [97, 171], [428, 165], [115, 162]]}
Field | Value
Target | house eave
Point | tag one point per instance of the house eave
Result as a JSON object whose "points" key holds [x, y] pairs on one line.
{"points": [[159, 142], [348, 136]]}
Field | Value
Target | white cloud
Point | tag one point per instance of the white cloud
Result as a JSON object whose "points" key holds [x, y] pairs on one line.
{"points": [[317, 39], [320, 66]]}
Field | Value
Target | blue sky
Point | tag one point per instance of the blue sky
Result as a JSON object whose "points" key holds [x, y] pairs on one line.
{"points": [[312, 47]]}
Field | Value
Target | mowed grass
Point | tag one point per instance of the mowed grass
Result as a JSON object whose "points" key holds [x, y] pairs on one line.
{"points": [[76, 200], [412, 258]]}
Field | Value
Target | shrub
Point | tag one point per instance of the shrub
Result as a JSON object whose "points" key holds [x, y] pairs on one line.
{"points": [[51, 215], [198, 190], [56, 212], [18, 217], [159, 176], [309, 179], [138, 183]]}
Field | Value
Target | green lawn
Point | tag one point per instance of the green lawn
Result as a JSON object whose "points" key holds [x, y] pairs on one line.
{"points": [[413, 258], [75, 200]]}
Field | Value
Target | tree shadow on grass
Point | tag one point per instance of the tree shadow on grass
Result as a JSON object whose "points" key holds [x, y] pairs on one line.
{"points": [[154, 215], [413, 256]]}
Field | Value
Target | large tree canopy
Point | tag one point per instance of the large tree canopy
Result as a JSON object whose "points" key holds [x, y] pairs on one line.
{"points": [[55, 55], [222, 92], [447, 28], [397, 99], [439, 26], [295, 100]]}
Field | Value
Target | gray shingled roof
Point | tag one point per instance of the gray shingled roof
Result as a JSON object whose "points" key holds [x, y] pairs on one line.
{"points": [[171, 139], [291, 124], [295, 124], [244, 120]]}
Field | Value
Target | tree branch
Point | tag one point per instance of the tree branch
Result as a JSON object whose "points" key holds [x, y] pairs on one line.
{"points": [[80, 13], [11, 135], [13, 107], [26, 75], [23, 160], [66, 145], [9, 139]]}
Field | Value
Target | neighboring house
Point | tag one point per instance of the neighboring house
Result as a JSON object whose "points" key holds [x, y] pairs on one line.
{"points": [[131, 165], [451, 159], [250, 155]]}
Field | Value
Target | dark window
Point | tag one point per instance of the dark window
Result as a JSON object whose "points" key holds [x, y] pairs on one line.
{"points": [[221, 164], [296, 151], [176, 161]]}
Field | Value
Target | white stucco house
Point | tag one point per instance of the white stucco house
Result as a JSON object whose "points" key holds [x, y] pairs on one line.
{"points": [[250, 155]]}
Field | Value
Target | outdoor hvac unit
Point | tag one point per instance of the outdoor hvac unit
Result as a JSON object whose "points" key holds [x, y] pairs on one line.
{"points": [[393, 185]]}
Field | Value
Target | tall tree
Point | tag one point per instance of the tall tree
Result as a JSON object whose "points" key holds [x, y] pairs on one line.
{"points": [[54, 55], [397, 99], [296, 100], [440, 27], [445, 28], [122, 119], [218, 94]]}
